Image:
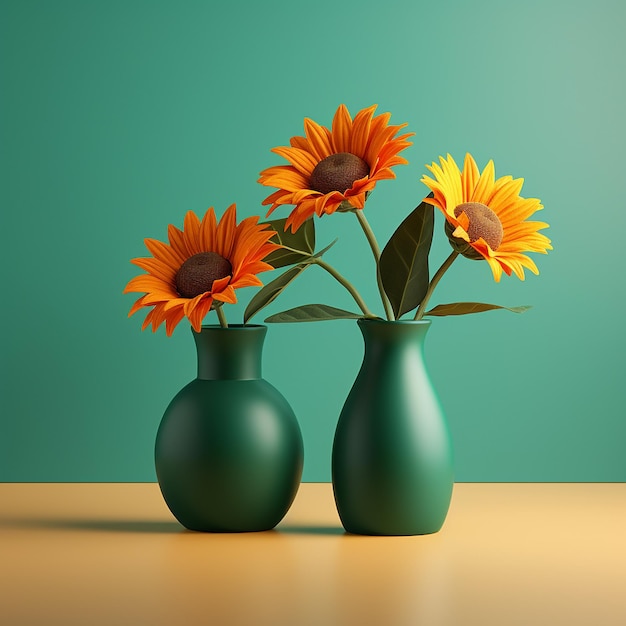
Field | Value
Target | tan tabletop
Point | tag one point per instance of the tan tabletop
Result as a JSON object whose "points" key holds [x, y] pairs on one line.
{"points": [[527, 554]]}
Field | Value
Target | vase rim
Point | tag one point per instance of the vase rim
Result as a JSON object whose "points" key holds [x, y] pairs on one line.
{"points": [[422, 322], [244, 327]]}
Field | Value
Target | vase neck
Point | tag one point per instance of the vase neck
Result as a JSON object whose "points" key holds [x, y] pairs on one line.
{"points": [[232, 353], [381, 336]]}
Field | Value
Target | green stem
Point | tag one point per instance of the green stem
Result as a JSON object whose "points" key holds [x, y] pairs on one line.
{"points": [[221, 316], [371, 238], [347, 284], [421, 309]]}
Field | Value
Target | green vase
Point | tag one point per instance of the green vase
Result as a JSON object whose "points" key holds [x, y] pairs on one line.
{"points": [[392, 461], [229, 451]]}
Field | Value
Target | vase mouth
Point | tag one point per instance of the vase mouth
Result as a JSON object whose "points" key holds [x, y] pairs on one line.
{"points": [[241, 328], [369, 321]]}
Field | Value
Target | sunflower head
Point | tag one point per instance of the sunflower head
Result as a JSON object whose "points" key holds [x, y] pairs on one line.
{"points": [[200, 268], [334, 169], [487, 218]]}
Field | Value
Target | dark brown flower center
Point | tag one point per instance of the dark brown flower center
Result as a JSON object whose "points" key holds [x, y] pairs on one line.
{"points": [[483, 222], [197, 273], [337, 172]]}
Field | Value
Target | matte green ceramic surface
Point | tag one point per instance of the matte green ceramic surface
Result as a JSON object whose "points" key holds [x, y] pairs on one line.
{"points": [[229, 452], [392, 461]]}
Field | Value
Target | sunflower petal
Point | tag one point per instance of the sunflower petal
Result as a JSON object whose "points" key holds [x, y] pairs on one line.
{"points": [[225, 235], [319, 139], [192, 233], [156, 267], [172, 319], [227, 295], [361, 131], [485, 185], [341, 130], [199, 311], [170, 256], [502, 197], [371, 138], [139, 304], [208, 229], [302, 160], [220, 284], [469, 177], [178, 242]]}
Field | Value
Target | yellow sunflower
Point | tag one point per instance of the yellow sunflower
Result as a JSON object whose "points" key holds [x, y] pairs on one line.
{"points": [[331, 167], [485, 217], [200, 268]]}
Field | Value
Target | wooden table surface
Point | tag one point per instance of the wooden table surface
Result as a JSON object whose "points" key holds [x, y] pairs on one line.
{"points": [[509, 554]]}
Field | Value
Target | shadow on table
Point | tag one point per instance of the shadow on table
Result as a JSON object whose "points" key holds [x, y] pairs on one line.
{"points": [[311, 530], [150, 526], [121, 526]]}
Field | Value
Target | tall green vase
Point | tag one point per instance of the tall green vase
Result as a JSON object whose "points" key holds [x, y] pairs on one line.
{"points": [[392, 461], [229, 451]]}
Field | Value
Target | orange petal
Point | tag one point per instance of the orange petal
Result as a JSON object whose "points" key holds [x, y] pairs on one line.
{"points": [[172, 319], [191, 233], [341, 130], [208, 229], [147, 283], [300, 214], [247, 280], [220, 284], [147, 320], [319, 139], [178, 242], [377, 137], [159, 297], [361, 131], [226, 232], [284, 177], [199, 312], [170, 256], [227, 295], [136, 306], [156, 267], [302, 160]]}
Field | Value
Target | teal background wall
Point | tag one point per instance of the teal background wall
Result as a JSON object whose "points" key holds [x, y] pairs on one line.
{"points": [[118, 117]]}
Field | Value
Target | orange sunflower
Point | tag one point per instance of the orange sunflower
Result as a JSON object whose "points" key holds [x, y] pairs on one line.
{"points": [[331, 167], [200, 268], [485, 217]]}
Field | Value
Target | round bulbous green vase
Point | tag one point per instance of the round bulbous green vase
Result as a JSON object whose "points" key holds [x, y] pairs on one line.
{"points": [[392, 460], [229, 450]]}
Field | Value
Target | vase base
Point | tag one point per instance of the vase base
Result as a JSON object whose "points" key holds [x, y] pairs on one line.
{"points": [[368, 533], [229, 531]]}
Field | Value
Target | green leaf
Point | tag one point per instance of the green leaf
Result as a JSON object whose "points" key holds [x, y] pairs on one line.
{"points": [[404, 260], [312, 313], [467, 308], [271, 291], [323, 251], [301, 243]]}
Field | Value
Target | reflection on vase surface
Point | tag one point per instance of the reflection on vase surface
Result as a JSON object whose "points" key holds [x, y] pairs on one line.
{"points": [[392, 460], [229, 451]]}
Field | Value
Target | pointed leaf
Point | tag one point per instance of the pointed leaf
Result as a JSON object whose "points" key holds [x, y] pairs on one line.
{"points": [[271, 291], [404, 260], [467, 308], [323, 251], [301, 243], [312, 313], [309, 259]]}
